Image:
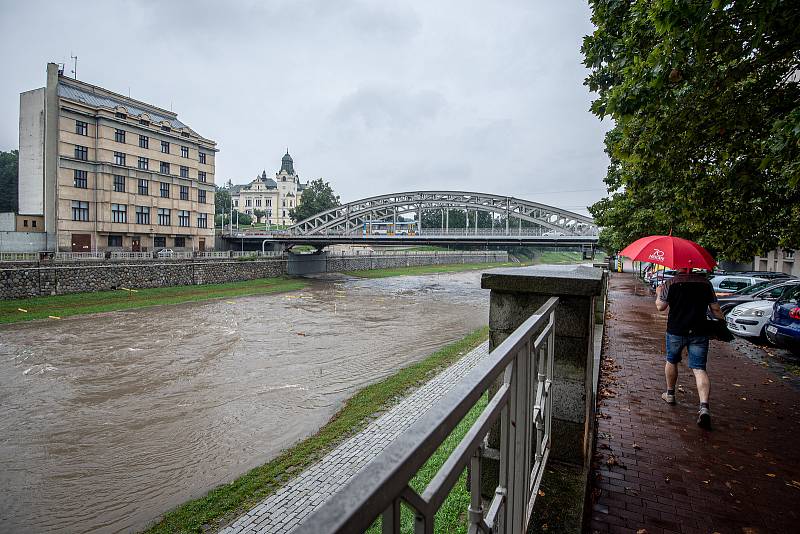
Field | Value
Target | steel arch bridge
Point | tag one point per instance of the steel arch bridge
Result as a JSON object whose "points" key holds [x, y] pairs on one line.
{"points": [[349, 218]]}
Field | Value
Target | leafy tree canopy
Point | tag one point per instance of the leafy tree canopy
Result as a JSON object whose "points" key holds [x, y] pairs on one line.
{"points": [[222, 198], [317, 197], [9, 164], [706, 104]]}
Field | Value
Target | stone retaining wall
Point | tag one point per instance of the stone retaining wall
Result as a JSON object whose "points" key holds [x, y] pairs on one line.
{"points": [[366, 262], [22, 280], [34, 280]]}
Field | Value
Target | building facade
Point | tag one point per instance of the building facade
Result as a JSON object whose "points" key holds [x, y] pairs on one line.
{"points": [[275, 197], [778, 260], [108, 172]]}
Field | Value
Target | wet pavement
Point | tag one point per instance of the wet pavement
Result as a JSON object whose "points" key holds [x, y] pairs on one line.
{"points": [[107, 421], [655, 470]]}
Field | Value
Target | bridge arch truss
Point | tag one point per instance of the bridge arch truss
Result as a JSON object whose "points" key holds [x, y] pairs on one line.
{"points": [[349, 218]]}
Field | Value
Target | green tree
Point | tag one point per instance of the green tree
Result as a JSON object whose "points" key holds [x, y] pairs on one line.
{"points": [[222, 198], [9, 179], [259, 214], [317, 197], [243, 218], [706, 104]]}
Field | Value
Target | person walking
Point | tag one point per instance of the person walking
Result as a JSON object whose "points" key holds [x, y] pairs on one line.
{"points": [[688, 296]]}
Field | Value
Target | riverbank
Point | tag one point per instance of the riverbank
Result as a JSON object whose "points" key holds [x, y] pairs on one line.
{"points": [[428, 269], [59, 306], [230, 500]]}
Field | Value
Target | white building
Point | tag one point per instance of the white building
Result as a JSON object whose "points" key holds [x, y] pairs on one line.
{"points": [[778, 260], [276, 197]]}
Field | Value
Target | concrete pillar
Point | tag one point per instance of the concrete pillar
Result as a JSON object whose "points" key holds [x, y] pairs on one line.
{"points": [[516, 293]]}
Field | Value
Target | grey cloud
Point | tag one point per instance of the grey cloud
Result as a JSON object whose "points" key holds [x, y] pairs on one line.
{"points": [[389, 107]]}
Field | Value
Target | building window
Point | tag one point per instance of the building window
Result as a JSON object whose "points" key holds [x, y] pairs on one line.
{"points": [[165, 128], [119, 136], [258, 202], [183, 218], [236, 202], [164, 190], [119, 158], [163, 216], [115, 241], [120, 115], [184, 134], [81, 128], [144, 163], [269, 202], [144, 141], [144, 122], [201, 196], [202, 157], [184, 172], [159, 241], [201, 176], [144, 187], [180, 242], [165, 147], [81, 179], [81, 152], [248, 202], [80, 211], [164, 167], [184, 192], [119, 213], [142, 215], [184, 151], [119, 183], [202, 220], [25, 222], [33, 223]]}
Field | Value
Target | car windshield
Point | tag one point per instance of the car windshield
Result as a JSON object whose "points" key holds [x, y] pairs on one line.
{"points": [[749, 290]]}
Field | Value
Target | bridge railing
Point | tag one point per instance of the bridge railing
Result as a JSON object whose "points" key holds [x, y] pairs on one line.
{"points": [[523, 404], [431, 232]]}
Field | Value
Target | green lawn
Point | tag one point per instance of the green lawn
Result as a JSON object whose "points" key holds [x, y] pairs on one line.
{"points": [[224, 503], [427, 269], [104, 301]]}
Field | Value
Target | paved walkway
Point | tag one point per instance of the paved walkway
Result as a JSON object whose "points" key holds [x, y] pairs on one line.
{"points": [[283, 511], [655, 471]]}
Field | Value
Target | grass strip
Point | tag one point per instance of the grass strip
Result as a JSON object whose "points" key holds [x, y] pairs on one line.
{"points": [[227, 501], [105, 301], [427, 269]]}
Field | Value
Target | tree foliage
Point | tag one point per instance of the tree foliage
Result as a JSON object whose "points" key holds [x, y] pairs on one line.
{"points": [[706, 104], [317, 197], [9, 172]]}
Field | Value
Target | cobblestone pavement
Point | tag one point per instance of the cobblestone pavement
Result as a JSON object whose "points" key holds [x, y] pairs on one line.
{"points": [[655, 471], [283, 511]]}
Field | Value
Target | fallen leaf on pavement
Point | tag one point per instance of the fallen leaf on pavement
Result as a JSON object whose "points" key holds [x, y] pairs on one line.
{"points": [[771, 475], [636, 446], [641, 531], [737, 385], [541, 493]]}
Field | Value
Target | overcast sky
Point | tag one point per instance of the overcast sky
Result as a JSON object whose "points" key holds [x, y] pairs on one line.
{"points": [[373, 96]]}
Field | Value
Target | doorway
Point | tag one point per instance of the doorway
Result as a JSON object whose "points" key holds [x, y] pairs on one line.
{"points": [[81, 242], [201, 245], [136, 244]]}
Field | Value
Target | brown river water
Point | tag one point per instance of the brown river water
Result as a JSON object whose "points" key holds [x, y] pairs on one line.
{"points": [[107, 421]]}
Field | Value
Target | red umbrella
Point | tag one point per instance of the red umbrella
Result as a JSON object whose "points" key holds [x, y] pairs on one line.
{"points": [[669, 251]]}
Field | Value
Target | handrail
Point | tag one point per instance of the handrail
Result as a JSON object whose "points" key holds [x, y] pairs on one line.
{"points": [[524, 406]]}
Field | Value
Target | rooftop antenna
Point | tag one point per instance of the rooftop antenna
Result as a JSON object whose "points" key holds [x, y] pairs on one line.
{"points": [[75, 65]]}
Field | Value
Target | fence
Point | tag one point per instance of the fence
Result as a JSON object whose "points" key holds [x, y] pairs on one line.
{"points": [[523, 405]]}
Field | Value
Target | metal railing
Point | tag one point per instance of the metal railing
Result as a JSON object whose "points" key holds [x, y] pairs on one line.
{"points": [[357, 252], [523, 404], [19, 256], [78, 256]]}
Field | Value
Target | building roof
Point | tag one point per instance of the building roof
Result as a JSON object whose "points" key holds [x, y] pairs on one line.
{"points": [[92, 97], [287, 164]]}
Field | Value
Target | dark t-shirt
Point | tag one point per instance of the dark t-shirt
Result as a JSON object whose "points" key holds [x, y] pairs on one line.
{"points": [[688, 296]]}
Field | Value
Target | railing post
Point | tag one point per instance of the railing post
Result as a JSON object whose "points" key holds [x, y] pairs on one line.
{"points": [[516, 293]]}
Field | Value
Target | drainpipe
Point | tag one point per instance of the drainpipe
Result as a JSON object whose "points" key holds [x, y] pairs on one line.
{"points": [[96, 177]]}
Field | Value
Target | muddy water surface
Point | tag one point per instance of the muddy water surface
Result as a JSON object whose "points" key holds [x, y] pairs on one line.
{"points": [[107, 421]]}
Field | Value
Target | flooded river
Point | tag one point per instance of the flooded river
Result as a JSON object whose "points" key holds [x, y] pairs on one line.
{"points": [[107, 421]]}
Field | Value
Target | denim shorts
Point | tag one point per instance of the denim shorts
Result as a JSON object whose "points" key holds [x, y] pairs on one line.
{"points": [[696, 346]]}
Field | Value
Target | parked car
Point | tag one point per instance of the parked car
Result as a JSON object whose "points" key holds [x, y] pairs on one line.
{"points": [[783, 329], [770, 290], [750, 319], [166, 253], [725, 284], [767, 275], [661, 276]]}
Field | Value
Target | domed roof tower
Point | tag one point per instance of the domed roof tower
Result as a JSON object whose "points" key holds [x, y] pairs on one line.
{"points": [[287, 164]]}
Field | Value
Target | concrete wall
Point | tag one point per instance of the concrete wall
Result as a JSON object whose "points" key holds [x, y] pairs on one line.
{"points": [[364, 262], [31, 151], [8, 222], [22, 241]]}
